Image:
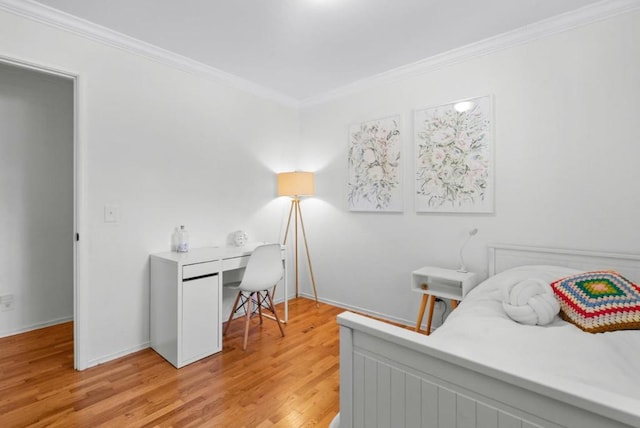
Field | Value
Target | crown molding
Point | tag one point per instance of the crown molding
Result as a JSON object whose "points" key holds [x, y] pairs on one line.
{"points": [[52, 17], [61, 20], [586, 15]]}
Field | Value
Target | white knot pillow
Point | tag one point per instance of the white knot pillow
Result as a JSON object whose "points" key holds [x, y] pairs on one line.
{"points": [[530, 302]]}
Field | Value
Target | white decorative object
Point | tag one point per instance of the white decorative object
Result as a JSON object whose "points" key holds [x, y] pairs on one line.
{"points": [[375, 175], [463, 268], [183, 240], [454, 157], [530, 302], [239, 238]]}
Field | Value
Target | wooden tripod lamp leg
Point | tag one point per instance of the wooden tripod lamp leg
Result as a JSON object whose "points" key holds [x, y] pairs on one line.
{"points": [[306, 246], [286, 230], [296, 201], [292, 210], [296, 212]]}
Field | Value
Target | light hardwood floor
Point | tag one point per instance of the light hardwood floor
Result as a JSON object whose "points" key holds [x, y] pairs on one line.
{"points": [[285, 382]]}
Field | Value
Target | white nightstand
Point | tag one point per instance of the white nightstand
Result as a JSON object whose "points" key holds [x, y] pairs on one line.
{"points": [[434, 282]]}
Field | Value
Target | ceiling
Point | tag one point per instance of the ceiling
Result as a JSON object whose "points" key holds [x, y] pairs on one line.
{"points": [[304, 48]]}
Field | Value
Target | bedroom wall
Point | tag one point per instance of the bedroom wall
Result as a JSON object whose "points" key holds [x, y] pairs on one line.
{"points": [[36, 212], [566, 157], [166, 146]]}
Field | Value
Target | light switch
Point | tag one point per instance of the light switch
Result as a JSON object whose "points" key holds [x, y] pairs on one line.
{"points": [[111, 213], [6, 303]]}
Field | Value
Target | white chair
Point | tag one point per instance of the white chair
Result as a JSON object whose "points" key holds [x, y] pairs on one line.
{"points": [[262, 273]]}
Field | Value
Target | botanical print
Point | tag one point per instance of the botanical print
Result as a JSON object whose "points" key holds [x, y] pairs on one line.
{"points": [[454, 157], [374, 166]]}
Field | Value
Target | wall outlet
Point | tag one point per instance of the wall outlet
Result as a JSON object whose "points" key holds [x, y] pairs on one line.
{"points": [[6, 302]]}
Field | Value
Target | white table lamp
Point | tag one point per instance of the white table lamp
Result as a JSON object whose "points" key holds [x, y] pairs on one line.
{"points": [[463, 268]]}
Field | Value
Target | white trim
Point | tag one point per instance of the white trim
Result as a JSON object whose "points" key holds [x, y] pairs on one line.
{"points": [[36, 326], [586, 15], [17, 62], [81, 331], [115, 355], [360, 310], [55, 18]]}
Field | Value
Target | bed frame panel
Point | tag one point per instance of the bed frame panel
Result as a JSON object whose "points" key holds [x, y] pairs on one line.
{"points": [[391, 377], [503, 257]]}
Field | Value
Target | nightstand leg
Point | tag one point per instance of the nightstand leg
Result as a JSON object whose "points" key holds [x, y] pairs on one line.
{"points": [[432, 304], [423, 306]]}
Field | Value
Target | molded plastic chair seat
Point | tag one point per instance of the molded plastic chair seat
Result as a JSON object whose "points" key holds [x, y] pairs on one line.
{"points": [[262, 273]]}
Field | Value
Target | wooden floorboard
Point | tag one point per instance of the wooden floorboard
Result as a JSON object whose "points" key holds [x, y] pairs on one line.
{"points": [[277, 382]]}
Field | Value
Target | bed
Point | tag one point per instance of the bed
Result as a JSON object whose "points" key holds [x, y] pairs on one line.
{"points": [[482, 369]]}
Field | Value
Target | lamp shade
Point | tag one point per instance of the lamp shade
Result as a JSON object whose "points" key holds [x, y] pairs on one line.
{"points": [[296, 184]]}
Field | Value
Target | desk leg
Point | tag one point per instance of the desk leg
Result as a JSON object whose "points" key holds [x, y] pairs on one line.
{"points": [[432, 304], [423, 306], [286, 295]]}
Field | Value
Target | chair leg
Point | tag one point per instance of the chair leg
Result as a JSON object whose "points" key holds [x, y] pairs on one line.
{"points": [[246, 323], [233, 311], [273, 309], [258, 296]]}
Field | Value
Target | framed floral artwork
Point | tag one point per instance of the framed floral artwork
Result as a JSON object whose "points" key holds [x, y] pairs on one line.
{"points": [[375, 178], [454, 157]]}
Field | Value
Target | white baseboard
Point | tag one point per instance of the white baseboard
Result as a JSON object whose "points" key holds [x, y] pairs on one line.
{"points": [[145, 345], [106, 358], [380, 315], [140, 347], [36, 326]]}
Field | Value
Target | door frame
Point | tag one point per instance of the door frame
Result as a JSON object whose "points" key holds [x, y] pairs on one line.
{"points": [[80, 335]]}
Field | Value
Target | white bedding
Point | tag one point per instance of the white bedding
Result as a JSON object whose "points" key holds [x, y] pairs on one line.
{"points": [[604, 367]]}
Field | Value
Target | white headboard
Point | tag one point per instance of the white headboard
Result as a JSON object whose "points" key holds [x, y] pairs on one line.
{"points": [[505, 256]]}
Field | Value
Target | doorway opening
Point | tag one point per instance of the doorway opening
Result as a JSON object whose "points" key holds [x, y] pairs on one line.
{"points": [[39, 170]]}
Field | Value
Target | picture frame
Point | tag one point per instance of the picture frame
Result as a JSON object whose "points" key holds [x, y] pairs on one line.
{"points": [[375, 166], [454, 161]]}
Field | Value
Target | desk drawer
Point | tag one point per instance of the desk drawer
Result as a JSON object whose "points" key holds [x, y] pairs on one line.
{"points": [[234, 263], [200, 269]]}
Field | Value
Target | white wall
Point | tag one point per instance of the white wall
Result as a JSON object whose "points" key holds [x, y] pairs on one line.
{"points": [[36, 191], [168, 147], [567, 147]]}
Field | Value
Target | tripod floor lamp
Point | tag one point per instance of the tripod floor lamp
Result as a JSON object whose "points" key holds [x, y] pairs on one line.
{"points": [[294, 185]]}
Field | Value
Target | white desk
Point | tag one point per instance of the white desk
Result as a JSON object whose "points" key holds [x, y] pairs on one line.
{"points": [[186, 311]]}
